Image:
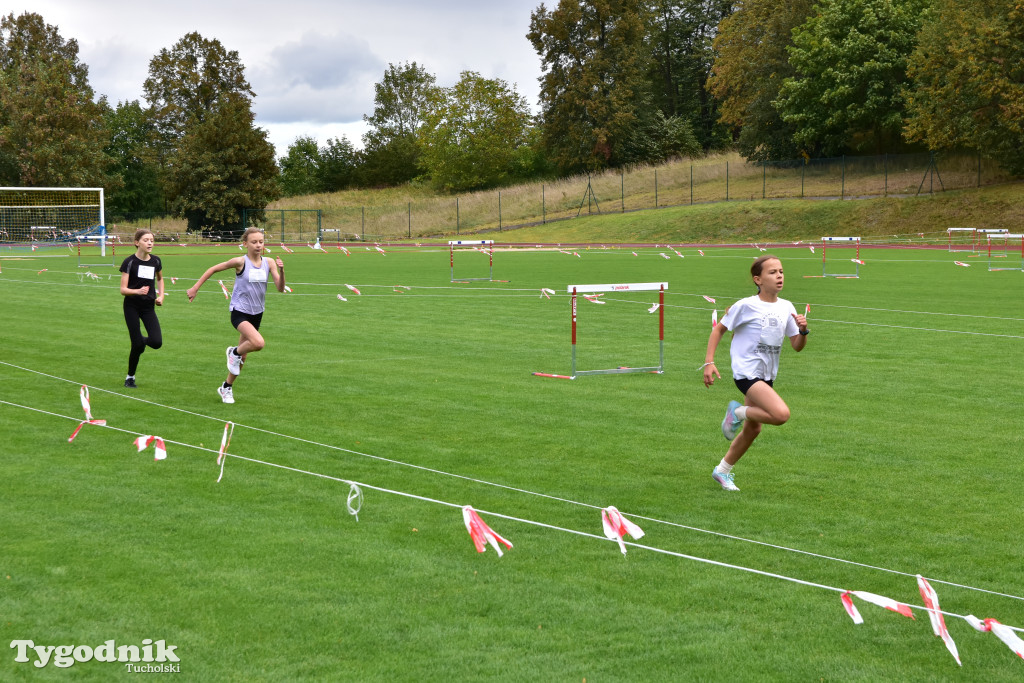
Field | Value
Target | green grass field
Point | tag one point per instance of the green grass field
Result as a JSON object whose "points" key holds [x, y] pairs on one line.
{"points": [[902, 457]]}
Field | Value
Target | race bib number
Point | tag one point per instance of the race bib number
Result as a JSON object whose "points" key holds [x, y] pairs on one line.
{"points": [[257, 275], [147, 272]]}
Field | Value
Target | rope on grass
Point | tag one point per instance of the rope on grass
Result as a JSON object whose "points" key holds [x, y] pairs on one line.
{"points": [[480, 531], [514, 489]]}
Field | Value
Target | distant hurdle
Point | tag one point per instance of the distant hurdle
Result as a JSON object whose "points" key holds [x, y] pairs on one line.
{"points": [[477, 245], [961, 239], [827, 241], [573, 290], [1005, 245]]}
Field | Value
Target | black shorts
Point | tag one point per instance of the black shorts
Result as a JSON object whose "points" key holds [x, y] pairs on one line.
{"points": [[744, 384], [237, 318]]}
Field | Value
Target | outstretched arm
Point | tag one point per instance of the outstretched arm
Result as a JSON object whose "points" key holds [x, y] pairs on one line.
{"points": [[234, 263]]}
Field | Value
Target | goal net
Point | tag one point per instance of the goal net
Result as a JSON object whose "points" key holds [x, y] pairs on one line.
{"points": [[50, 214]]}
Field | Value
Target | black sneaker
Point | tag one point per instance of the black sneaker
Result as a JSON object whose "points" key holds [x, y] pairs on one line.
{"points": [[130, 383]]}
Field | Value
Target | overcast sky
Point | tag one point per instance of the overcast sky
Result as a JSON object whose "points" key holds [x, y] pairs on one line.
{"points": [[312, 63]]}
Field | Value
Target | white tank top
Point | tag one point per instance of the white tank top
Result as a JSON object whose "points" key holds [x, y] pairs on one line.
{"points": [[250, 292]]}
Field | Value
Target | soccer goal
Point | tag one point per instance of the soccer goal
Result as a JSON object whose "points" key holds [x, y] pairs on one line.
{"points": [[840, 250], [594, 291], [40, 216], [484, 246], [1006, 251], [961, 239]]}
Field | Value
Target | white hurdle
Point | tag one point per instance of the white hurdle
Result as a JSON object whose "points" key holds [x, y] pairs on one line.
{"points": [[476, 244], [1007, 239], [659, 287], [970, 233], [825, 241]]}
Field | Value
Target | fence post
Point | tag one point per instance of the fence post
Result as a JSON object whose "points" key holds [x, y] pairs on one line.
{"points": [[410, 219], [362, 222], [979, 169], [885, 165], [655, 188], [622, 189], [764, 173], [842, 186], [543, 209], [499, 210], [803, 167], [726, 181], [456, 215], [691, 184]]}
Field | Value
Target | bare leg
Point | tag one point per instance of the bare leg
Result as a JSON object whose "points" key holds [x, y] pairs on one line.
{"points": [[249, 340], [764, 406]]}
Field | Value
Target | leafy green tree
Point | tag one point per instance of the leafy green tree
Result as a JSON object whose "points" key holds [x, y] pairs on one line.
{"points": [[339, 164], [681, 39], [969, 80], [750, 65], [475, 134], [188, 81], [132, 158], [390, 147], [851, 69], [223, 164], [51, 129], [594, 88], [300, 168]]}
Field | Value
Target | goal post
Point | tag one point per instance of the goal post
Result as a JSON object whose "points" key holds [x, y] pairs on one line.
{"points": [[840, 246], [486, 246], [53, 215], [575, 290]]}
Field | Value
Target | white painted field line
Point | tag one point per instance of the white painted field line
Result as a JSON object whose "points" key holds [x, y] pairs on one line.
{"points": [[514, 489]]}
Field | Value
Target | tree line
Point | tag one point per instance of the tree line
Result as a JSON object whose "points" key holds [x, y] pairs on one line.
{"points": [[623, 82]]}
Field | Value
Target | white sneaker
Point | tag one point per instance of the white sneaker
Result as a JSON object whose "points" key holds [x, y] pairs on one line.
{"points": [[724, 479], [225, 394], [731, 424], [234, 361]]}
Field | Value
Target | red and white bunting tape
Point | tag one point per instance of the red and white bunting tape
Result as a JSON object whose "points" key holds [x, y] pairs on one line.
{"points": [[341, 298], [700, 252], [961, 263], [353, 289], [714, 318], [567, 253], [101, 423], [708, 298], [807, 310], [931, 603], [44, 269], [344, 250], [1002, 631], [664, 255], [354, 503], [224, 289], [887, 603], [159, 450], [174, 280], [857, 260], [34, 247], [287, 249], [225, 441], [811, 248], [83, 396], [616, 526], [851, 608], [545, 292], [654, 308], [634, 253], [266, 250], [576, 255], [678, 254], [288, 289], [481, 533], [380, 250], [593, 298]]}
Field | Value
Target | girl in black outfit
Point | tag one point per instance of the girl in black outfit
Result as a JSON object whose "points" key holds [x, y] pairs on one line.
{"points": [[142, 285]]}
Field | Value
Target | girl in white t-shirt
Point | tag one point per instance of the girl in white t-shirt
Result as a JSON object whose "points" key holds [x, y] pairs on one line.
{"points": [[759, 325]]}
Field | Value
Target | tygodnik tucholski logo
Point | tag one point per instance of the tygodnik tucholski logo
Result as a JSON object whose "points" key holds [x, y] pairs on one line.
{"points": [[152, 657]]}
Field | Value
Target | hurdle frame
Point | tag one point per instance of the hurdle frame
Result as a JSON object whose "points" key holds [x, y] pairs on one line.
{"points": [[972, 244], [574, 290], [824, 250], [471, 243], [984, 233], [1005, 236]]}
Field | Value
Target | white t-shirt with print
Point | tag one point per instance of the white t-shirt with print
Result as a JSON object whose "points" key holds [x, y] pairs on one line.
{"points": [[759, 328]]}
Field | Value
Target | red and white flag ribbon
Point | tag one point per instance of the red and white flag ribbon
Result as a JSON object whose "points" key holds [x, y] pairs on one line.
{"points": [[634, 253], [714, 318], [34, 247], [708, 298], [266, 249], [807, 310], [287, 249], [288, 289], [664, 255], [43, 270], [654, 308], [576, 255], [567, 253], [887, 603], [812, 249], [225, 441], [224, 289], [851, 608], [84, 396], [678, 254], [931, 603], [593, 298], [353, 289], [1002, 631], [341, 298], [380, 250], [481, 533], [344, 250], [961, 263], [857, 260], [544, 291], [616, 526], [174, 280], [159, 450], [700, 252]]}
